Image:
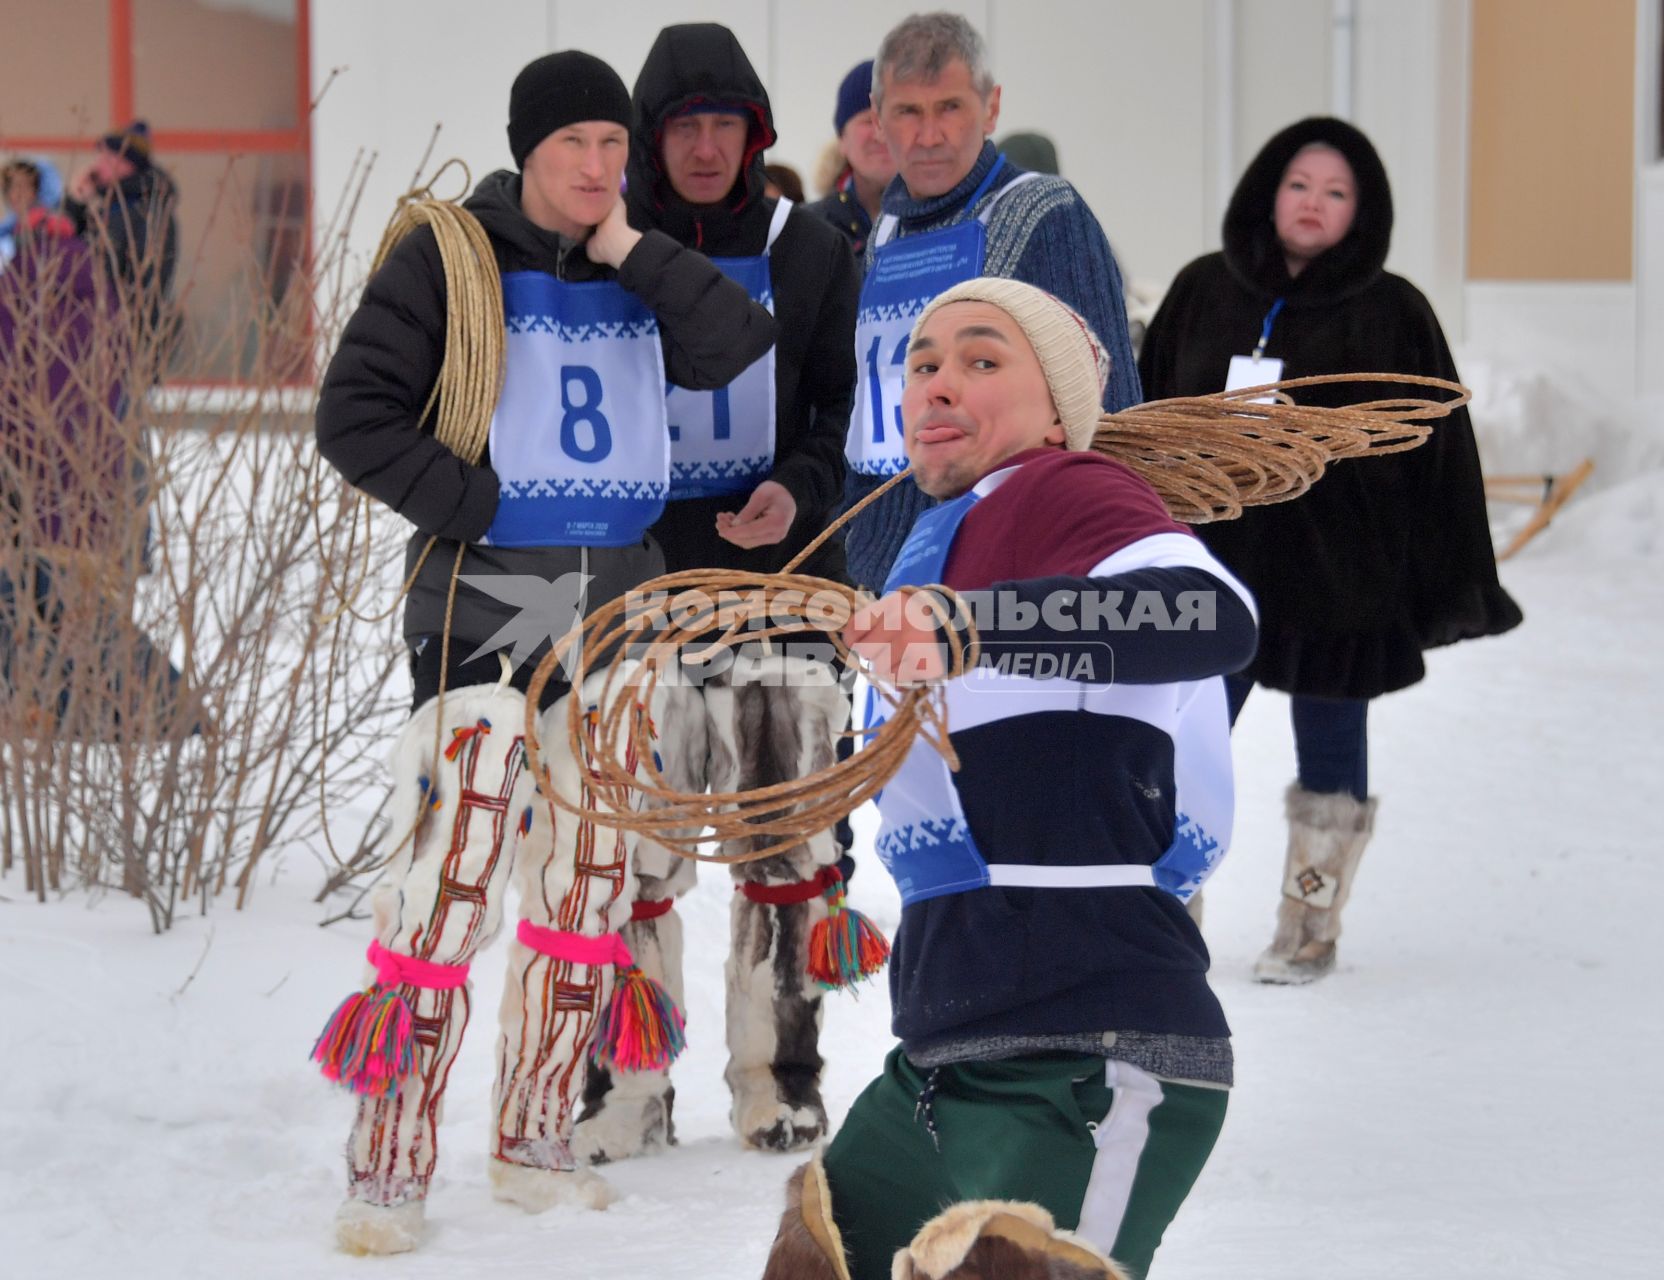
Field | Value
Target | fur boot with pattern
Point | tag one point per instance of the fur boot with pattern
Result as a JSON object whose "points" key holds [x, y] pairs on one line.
{"points": [[584, 886], [1005, 1238], [807, 1246], [440, 902], [627, 1113], [1326, 839], [775, 721], [769, 719]]}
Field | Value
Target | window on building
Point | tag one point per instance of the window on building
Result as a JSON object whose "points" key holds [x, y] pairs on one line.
{"points": [[224, 86]]}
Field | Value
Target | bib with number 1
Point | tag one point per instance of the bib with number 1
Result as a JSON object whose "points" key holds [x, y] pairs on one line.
{"points": [[722, 441], [907, 272], [579, 440]]}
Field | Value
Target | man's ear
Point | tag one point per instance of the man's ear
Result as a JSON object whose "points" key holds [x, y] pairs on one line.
{"points": [[993, 112]]}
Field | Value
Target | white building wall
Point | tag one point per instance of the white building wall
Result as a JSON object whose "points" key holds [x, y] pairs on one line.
{"points": [[399, 67], [1119, 88]]}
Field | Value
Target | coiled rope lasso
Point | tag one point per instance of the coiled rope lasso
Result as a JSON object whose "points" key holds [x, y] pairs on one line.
{"points": [[1210, 456], [1207, 457], [466, 391], [685, 618], [470, 378]]}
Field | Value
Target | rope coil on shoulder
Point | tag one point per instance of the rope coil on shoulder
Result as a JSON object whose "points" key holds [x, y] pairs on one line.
{"points": [[470, 379], [465, 391]]}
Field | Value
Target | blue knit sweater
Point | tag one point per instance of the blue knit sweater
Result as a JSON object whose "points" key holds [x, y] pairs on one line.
{"points": [[1044, 234]]}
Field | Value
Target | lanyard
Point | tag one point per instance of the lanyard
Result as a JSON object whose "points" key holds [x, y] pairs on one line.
{"points": [[987, 181], [1265, 328]]}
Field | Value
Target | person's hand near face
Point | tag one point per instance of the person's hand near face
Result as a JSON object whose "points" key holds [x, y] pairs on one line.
{"points": [[572, 183]]}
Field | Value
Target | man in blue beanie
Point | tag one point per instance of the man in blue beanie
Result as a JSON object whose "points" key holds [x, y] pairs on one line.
{"points": [[868, 167], [956, 209]]}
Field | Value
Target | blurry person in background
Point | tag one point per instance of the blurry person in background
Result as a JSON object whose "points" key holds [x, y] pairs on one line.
{"points": [[783, 180], [855, 193], [1032, 151], [26, 183], [72, 520], [1384, 557], [124, 205]]}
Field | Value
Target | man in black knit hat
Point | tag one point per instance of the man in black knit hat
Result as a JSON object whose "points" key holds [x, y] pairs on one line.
{"points": [[550, 524], [757, 472]]}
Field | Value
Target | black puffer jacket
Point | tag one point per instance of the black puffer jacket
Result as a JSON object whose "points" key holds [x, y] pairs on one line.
{"points": [[369, 423], [1384, 557], [815, 289]]}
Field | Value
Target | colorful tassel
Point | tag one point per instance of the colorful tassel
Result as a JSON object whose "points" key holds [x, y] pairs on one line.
{"points": [[641, 1029], [462, 736], [369, 1043], [846, 947]]}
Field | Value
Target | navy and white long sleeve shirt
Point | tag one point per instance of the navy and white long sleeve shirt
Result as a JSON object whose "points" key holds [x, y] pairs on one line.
{"points": [[1093, 740]]}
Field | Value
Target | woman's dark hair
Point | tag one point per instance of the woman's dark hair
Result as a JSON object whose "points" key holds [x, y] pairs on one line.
{"points": [[786, 178], [26, 168]]}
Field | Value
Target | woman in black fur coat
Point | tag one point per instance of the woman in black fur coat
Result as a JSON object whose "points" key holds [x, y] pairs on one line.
{"points": [[1384, 557]]}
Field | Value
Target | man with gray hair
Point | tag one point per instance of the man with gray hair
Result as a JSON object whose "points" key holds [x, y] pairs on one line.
{"points": [[956, 209]]}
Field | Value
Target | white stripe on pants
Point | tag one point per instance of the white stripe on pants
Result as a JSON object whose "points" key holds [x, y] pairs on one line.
{"points": [[1121, 1137]]}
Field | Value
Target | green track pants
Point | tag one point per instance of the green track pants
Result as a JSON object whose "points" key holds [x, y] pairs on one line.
{"points": [[1108, 1149]]}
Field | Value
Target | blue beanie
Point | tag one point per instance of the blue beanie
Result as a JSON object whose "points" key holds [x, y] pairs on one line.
{"points": [[854, 95]]}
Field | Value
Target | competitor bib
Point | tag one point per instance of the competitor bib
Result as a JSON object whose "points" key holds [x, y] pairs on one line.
{"points": [[722, 441], [906, 274], [923, 838], [579, 439]]}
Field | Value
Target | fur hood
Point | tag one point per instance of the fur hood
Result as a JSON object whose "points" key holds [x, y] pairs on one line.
{"points": [[1250, 239]]}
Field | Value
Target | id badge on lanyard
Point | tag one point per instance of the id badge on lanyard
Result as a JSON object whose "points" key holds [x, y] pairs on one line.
{"points": [[1257, 369], [722, 441], [579, 439]]}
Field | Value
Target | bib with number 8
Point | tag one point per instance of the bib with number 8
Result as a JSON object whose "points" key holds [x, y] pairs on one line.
{"points": [[579, 440]]}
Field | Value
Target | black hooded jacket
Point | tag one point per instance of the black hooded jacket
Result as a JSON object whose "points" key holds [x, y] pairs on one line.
{"points": [[1384, 557], [370, 425], [815, 287]]}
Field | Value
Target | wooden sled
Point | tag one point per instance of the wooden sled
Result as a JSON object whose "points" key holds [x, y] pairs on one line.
{"points": [[1547, 493]]}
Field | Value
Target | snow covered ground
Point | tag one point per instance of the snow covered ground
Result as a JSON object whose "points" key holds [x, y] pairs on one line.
{"points": [[1472, 1094]]}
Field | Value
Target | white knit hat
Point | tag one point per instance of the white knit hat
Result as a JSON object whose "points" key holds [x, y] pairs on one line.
{"points": [[1073, 360]]}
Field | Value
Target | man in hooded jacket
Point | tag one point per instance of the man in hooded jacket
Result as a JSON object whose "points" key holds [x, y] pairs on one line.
{"points": [[757, 472], [549, 524]]}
